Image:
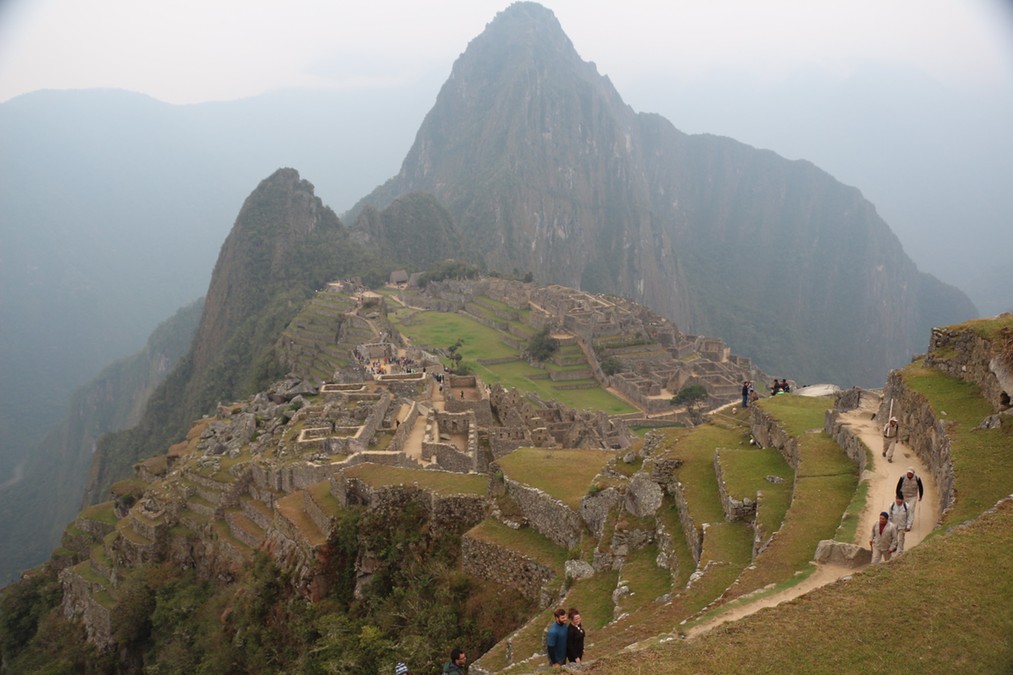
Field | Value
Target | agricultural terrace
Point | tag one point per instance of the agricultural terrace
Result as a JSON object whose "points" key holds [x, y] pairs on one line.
{"points": [[439, 330], [563, 474]]}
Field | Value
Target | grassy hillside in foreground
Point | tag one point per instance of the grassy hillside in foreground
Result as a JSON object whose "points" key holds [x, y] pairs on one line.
{"points": [[949, 624]]}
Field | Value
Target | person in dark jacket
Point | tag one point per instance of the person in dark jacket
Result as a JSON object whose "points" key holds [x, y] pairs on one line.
{"points": [[574, 638], [555, 641], [457, 660]]}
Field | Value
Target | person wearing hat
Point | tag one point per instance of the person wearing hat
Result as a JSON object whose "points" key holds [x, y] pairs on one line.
{"points": [[910, 487], [900, 516], [890, 430], [401, 669], [883, 539]]}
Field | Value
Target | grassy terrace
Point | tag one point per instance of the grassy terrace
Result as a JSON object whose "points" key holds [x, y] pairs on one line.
{"points": [[524, 541], [745, 472], [563, 474], [824, 488], [439, 330], [101, 513], [440, 482], [981, 457], [839, 628]]}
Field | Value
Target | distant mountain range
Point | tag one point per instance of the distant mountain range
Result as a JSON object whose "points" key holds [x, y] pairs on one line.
{"points": [[529, 161]]}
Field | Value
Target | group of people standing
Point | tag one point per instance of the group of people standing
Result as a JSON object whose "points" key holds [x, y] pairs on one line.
{"points": [[749, 394], [565, 643]]}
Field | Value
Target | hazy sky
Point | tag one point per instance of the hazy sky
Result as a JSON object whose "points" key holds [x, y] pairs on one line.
{"points": [[187, 51], [859, 87]]}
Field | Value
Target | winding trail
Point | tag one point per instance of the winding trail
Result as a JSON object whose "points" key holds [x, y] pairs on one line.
{"points": [[882, 477]]}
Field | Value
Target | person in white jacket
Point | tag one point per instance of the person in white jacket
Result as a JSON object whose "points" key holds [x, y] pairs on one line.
{"points": [[883, 539], [900, 516]]}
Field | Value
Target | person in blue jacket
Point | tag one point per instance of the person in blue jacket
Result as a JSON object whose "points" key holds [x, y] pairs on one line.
{"points": [[555, 641]]}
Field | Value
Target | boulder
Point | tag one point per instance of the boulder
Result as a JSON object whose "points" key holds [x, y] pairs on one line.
{"points": [[594, 509], [578, 569], [643, 496], [839, 553]]}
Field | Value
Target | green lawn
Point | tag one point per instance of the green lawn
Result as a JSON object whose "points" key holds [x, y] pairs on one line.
{"points": [[563, 474], [525, 541]]}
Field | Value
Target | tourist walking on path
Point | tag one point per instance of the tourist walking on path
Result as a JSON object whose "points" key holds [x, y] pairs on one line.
{"points": [[883, 539], [900, 516], [574, 638], [890, 430], [910, 487], [555, 641]]}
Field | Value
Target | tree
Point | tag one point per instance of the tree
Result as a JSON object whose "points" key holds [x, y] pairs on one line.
{"points": [[542, 345], [693, 397]]}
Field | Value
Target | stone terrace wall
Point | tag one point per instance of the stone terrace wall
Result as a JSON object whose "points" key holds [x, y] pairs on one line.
{"points": [[769, 434], [967, 356], [735, 509], [845, 437], [457, 512], [546, 514], [693, 534], [486, 560], [925, 434]]}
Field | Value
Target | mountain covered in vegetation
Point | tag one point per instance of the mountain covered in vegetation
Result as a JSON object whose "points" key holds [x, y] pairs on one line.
{"points": [[544, 168]]}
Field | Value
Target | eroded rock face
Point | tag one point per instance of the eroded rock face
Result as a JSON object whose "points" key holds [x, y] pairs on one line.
{"points": [[643, 496], [578, 569]]}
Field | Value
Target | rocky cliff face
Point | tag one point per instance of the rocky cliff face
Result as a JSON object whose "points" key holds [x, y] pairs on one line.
{"points": [[545, 169]]}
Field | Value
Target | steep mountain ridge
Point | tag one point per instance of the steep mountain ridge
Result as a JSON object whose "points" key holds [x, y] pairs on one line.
{"points": [[545, 169]]}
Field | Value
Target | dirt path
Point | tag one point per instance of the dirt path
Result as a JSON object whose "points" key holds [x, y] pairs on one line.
{"points": [[882, 477]]}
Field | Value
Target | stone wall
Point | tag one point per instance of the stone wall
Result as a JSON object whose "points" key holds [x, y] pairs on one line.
{"points": [[735, 508], [769, 434], [546, 514], [457, 512], [486, 560], [79, 603], [404, 429], [693, 534], [925, 434], [963, 354], [845, 437]]}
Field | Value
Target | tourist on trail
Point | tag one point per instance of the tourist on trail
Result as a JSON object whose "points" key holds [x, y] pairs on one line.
{"points": [[575, 638], [555, 641], [745, 394], [910, 487], [458, 659], [890, 431], [883, 539], [900, 516]]}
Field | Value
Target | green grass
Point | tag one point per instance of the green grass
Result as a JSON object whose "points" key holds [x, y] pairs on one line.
{"points": [[981, 457], [525, 541], [102, 513], [442, 329], [798, 414], [956, 617], [646, 580], [848, 528], [669, 515], [440, 482], [696, 448], [745, 473], [563, 474], [439, 330]]}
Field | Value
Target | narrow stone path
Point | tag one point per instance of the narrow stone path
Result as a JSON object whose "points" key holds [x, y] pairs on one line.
{"points": [[882, 477]]}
